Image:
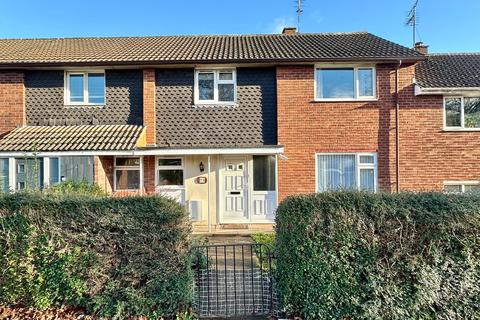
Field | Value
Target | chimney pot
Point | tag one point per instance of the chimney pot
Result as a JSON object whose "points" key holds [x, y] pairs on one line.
{"points": [[421, 48], [289, 30]]}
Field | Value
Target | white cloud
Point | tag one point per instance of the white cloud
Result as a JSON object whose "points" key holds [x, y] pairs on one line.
{"points": [[277, 25]]}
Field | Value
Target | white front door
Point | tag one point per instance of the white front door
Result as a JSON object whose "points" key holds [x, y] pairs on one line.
{"points": [[235, 190]]}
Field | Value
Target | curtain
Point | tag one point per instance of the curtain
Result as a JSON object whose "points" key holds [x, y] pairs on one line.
{"points": [[336, 172]]}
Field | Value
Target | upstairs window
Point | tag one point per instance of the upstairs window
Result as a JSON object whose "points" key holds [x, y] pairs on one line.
{"points": [[85, 88], [215, 86], [346, 83], [462, 113]]}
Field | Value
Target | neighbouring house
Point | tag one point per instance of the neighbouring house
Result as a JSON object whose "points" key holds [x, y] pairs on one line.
{"points": [[230, 125]]}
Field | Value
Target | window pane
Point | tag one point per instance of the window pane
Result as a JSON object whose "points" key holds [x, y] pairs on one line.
{"points": [[205, 86], [336, 83], [336, 172], [472, 188], [264, 173], [96, 88], [129, 162], [76, 88], [4, 175], [452, 188], [367, 180], [225, 92], [366, 83], [472, 112], [170, 162], [54, 171], [225, 76], [170, 178], [452, 112], [366, 159], [128, 179]]}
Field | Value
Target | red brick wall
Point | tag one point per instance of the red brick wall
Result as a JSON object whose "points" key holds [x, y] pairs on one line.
{"points": [[428, 156], [12, 101], [149, 113]]}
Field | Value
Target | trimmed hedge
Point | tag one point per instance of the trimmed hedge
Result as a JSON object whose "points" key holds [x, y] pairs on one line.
{"points": [[380, 256], [115, 257]]}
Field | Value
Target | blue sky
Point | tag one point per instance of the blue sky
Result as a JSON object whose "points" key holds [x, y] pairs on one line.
{"points": [[446, 25]]}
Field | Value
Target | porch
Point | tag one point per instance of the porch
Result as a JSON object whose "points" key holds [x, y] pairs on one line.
{"points": [[226, 191]]}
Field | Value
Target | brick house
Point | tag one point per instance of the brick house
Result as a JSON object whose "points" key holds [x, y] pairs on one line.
{"points": [[231, 125]]}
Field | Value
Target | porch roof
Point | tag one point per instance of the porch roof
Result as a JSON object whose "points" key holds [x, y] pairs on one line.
{"points": [[73, 138]]}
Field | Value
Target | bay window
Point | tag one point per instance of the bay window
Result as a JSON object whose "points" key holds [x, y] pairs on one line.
{"points": [[215, 86], [348, 171], [85, 88], [128, 173], [462, 112], [345, 83]]}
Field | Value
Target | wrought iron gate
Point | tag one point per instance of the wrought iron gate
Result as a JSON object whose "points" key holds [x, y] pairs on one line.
{"points": [[234, 280]]}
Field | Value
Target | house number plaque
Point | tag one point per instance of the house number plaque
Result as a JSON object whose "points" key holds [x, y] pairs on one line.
{"points": [[201, 180]]}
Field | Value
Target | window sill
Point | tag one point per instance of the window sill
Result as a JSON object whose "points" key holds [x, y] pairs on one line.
{"points": [[84, 105], [461, 129], [346, 100], [215, 105]]}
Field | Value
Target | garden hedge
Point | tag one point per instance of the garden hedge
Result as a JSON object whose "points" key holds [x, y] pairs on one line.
{"points": [[353, 255], [114, 257]]}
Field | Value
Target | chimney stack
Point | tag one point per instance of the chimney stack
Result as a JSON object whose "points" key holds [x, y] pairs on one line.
{"points": [[289, 30], [421, 48]]}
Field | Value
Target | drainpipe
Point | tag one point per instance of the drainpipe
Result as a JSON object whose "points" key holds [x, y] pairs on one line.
{"points": [[397, 127], [208, 196]]}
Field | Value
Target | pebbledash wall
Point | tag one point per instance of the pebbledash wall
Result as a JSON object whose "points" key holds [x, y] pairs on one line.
{"points": [[428, 154]]}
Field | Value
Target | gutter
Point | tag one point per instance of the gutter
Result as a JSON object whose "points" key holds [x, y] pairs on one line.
{"points": [[421, 91], [397, 128]]}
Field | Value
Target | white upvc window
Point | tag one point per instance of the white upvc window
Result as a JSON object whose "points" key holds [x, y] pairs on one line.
{"points": [[345, 83], [85, 87], [346, 171], [215, 86], [461, 186], [170, 172], [461, 113], [128, 173], [4, 175]]}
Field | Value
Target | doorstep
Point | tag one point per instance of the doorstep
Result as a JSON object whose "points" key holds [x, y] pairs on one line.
{"points": [[233, 229]]}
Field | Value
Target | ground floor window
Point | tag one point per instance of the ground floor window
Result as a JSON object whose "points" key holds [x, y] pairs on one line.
{"points": [[4, 175], [170, 172], [461, 187], [356, 171], [128, 171], [264, 173]]}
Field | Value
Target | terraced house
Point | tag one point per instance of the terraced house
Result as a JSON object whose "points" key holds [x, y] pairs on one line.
{"points": [[230, 125]]}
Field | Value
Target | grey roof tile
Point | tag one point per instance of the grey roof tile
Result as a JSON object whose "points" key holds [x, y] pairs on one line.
{"points": [[202, 49], [452, 70]]}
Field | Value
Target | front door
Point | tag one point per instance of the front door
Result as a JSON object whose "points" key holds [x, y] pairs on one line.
{"points": [[235, 188]]}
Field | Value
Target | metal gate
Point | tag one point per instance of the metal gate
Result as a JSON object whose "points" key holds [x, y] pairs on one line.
{"points": [[234, 280]]}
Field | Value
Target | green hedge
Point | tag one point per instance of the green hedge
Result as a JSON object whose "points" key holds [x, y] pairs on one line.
{"points": [[115, 257], [380, 256]]}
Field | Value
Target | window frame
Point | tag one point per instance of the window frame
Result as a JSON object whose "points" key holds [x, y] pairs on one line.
{"points": [[356, 82], [175, 167], [462, 184], [85, 73], [130, 168], [216, 81], [359, 167], [462, 113]]}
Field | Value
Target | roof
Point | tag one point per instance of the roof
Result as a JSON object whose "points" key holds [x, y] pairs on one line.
{"points": [[452, 70], [201, 49], [72, 138]]}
